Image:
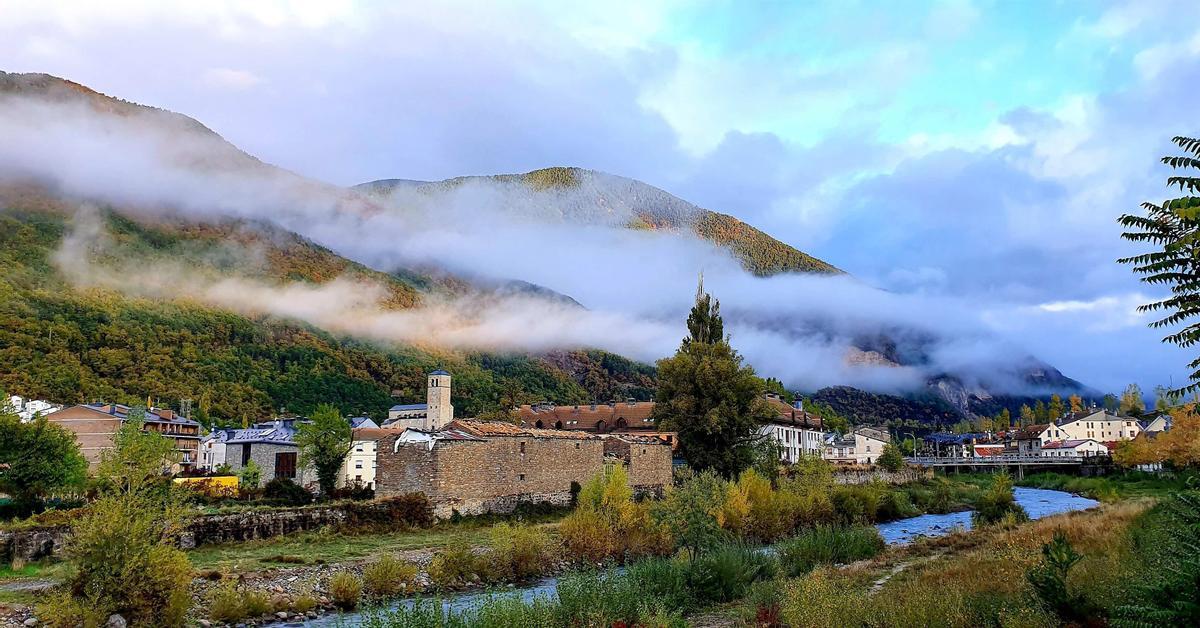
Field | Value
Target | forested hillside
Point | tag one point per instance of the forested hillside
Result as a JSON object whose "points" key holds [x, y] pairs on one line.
{"points": [[69, 344], [579, 196]]}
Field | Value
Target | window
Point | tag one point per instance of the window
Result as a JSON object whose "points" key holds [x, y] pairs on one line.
{"points": [[285, 464], [359, 448], [521, 477], [358, 465], [522, 447], [576, 445], [245, 454]]}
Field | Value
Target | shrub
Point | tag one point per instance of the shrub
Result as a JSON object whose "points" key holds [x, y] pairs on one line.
{"points": [[225, 605], [250, 476], [286, 492], [1049, 580], [304, 603], [411, 510], [828, 545], [997, 504], [345, 589], [764, 601], [725, 573], [521, 551], [587, 537], [388, 576], [1171, 595], [856, 504], [692, 512], [891, 459], [608, 524], [457, 567], [256, 603], [821, 599]]}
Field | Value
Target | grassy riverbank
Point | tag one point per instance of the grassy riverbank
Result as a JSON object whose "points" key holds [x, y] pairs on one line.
{"points": [[1111, 488]]}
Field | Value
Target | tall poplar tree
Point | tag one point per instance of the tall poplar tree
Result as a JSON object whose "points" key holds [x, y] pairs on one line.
{"points": [[709, 396]]}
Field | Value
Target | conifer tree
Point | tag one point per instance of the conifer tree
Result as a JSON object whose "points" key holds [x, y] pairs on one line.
{"points": [[709, 396], [1056, 409]]}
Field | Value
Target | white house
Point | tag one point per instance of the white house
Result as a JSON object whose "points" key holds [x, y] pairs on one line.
{"points": [[862, 446], [432, 415], [28, 409], [798, 433], [1075, 448]]}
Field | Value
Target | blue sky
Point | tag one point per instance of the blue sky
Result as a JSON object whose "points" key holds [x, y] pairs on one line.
{"points": [[972, 150]]}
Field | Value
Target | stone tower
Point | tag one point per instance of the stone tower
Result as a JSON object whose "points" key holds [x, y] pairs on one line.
{"points": [[439, 411]]}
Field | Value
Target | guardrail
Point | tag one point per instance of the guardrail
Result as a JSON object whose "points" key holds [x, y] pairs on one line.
{"points": [[932, 461]]}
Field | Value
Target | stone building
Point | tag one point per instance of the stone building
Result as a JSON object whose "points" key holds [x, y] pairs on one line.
{"points": [[476, 466], [95, 424], [434, 414], [272, 447], [647, 462]]}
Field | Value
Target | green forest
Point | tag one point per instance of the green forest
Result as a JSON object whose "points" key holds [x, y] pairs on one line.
{"points": [[69, 344]]}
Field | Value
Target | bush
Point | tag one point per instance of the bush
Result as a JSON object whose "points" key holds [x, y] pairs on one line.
{"points": [[411, 510], [256, 603], [609, 525], [286, 492], [997, 504], [388, 576], [891, 459], [856, 504], [588, 537], [304, 603], [828, 545], [726, 573], [519, 552], [225, 605], [345, 589], [458, 567]]}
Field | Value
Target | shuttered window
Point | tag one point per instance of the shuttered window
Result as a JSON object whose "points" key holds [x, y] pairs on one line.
{"points": [[285, 465]]}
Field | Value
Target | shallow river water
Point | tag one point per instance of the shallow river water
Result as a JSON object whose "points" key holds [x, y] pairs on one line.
{"points": [[1037, 502]]}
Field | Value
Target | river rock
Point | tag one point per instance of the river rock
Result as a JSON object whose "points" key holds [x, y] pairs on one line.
{"points": [[30, 623], [115, 621]]}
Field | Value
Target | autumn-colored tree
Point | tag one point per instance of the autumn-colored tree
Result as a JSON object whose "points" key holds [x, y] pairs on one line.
{"points": [[1132, 401], [1179, 446], [1004, 420], [1076, 403], [1027, 416]]}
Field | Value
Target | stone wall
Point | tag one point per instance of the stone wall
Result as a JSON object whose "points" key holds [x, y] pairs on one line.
{"points": [[492, 475], [38, 543], [647, 460]]}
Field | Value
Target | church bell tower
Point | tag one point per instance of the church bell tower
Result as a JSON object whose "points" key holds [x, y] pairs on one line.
{"points": [[439, 411]]}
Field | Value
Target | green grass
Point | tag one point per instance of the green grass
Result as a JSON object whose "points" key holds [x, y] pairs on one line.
{"points": [[828, 545], [1110, 488], [331, 546]]}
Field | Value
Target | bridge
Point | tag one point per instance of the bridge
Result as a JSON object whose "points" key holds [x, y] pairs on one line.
{"points": [[1019, 462]]}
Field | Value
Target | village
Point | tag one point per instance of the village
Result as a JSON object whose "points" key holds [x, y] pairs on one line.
{"points": [[473, 467]]}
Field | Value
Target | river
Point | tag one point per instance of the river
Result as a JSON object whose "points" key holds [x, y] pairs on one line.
{"points": [[1037, 502]]}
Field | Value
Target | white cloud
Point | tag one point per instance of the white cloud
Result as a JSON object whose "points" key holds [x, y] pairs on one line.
{"points": [[226, 78]]}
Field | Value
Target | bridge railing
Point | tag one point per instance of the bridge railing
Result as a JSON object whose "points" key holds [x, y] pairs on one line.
{"points": [[930, 461]]}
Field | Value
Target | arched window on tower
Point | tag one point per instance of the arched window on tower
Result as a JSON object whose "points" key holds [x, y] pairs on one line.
{"points": [[601, 426], [538, 424]]}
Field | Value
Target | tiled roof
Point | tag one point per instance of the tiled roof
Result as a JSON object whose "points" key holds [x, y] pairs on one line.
{"points": [[791, 415], [372, 433], [153, 415], [1030, 432], [499, 428], [985, 451], [616, 416], [1065, 444], [410, 406]]}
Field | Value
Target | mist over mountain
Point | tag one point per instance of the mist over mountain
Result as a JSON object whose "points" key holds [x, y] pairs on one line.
{"points": [[554, 260]]}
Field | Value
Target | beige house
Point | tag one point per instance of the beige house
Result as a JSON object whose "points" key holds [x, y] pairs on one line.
{"points": [[862, 446], [1095, 424], [359, 467]]}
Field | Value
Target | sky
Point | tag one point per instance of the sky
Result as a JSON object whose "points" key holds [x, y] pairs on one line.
{"points": [[972, 151]]}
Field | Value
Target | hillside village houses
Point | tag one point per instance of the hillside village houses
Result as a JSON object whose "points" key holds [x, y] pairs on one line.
{"points": [[796, 432], [28, 409]]}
